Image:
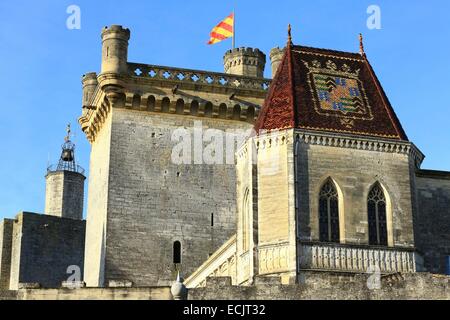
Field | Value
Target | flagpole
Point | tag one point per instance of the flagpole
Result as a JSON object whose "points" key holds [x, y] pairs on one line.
{"points": [[234, 22]]}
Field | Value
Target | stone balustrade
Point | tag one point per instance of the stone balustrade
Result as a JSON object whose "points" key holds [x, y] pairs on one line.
{"points": [[179, 75], [221, 264], [358, 259]]}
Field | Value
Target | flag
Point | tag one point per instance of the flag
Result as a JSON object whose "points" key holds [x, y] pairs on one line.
{"points": [[224, 30]]}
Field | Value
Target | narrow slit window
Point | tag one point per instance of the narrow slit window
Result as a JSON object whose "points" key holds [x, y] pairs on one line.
{"points": [[177, 252]]}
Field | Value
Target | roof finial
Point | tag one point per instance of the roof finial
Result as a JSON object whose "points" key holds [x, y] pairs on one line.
{"points": [[67, 138], [361, 45], [289, 35]]}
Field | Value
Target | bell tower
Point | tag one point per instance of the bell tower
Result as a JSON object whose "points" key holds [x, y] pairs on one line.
{"points": [[64, 189]]}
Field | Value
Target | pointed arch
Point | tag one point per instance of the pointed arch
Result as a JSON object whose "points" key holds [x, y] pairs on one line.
{"points": [[330, 212], [379, 216], [245, 220]]}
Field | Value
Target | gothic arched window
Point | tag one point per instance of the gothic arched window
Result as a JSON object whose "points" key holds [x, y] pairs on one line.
{"points": [[328, 213], [177, 252], [376, 209], [245, 222]]}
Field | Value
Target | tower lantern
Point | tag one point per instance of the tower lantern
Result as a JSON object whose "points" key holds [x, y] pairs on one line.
{"points": [[64, 190]]}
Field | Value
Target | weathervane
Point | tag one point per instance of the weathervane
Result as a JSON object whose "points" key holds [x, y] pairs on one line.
{"points": [[67, 138]]}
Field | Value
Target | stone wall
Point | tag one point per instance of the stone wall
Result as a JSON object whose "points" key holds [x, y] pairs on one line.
{"points": [[151, 293], [64, 194], [153, 202], [354, 172], [313, 286], [97, 207], [326, 286], [44, 247], [432, 223], [6, 229], [276, 205]]}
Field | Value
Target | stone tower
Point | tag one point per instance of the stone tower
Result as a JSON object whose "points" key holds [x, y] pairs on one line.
{"points": [[89, 81], [115, 49], [247, 62], [64, 189], [276, 55], [148, 216]]}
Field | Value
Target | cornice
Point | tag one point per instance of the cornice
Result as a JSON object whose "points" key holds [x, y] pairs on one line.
{"points": [[360, 143], [280, 137]]}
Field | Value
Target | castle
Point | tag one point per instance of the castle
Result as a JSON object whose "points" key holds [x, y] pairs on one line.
{"points": [[329, 184]]}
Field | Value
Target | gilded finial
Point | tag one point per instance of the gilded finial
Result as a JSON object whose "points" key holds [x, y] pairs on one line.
{"points": [[289, 34], [361, 45], [67, 138]]}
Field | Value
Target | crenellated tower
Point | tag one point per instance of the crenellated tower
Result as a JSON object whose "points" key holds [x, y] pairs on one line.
{"points": [[243, 61], [140, 200]]}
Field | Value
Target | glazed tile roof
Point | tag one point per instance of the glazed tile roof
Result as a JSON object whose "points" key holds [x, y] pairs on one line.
{"points": [[327, 90]]}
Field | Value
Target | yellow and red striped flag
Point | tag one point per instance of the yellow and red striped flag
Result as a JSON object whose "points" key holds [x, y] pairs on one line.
{"points": [[224, 30]]}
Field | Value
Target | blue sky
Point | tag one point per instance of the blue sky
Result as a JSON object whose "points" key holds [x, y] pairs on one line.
{"points": [[42, 62]]}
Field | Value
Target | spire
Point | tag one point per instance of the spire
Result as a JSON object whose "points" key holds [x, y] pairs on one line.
{"points": [[279, 109], [291, 75], [361, 45], [289, 42]]}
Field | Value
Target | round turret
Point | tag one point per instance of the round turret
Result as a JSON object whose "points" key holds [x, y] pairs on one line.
{"points": [[245, 62], [115, 49], [276, 55], [89, 82]]}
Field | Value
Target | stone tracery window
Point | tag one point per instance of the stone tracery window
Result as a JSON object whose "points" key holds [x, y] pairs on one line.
{"points": [[329, 213], [376, 209]]}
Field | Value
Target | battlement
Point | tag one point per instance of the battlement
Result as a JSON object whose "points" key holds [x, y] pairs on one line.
{"points": [[246, 51], [89, 76], [115, 49], [118, 29], [276, 51]]}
